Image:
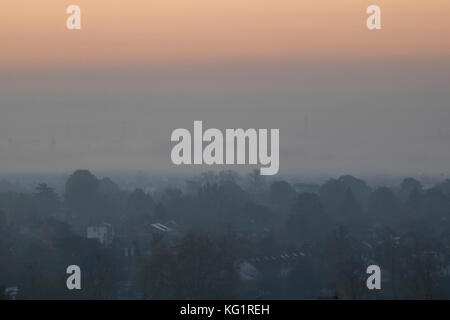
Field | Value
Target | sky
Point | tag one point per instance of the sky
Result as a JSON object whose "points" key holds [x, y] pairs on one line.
{"points": [[346, 99]]}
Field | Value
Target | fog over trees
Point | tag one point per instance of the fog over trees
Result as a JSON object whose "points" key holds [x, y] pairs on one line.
{"points": [[224, 235]]}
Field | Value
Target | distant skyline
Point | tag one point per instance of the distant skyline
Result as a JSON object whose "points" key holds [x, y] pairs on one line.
{"points": [[108, 96]]}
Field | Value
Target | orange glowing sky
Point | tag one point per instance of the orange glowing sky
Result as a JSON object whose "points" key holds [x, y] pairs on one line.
{"points": [[143, 32]]}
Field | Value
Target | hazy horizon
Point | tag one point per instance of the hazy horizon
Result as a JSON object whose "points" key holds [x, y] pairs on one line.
{"points": [[107, 97]]}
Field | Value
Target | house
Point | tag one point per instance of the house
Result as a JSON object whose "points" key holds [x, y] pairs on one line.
{"points": [[159, 227], [11, 292], [104, 233], [166, 232], [247, 271]]}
